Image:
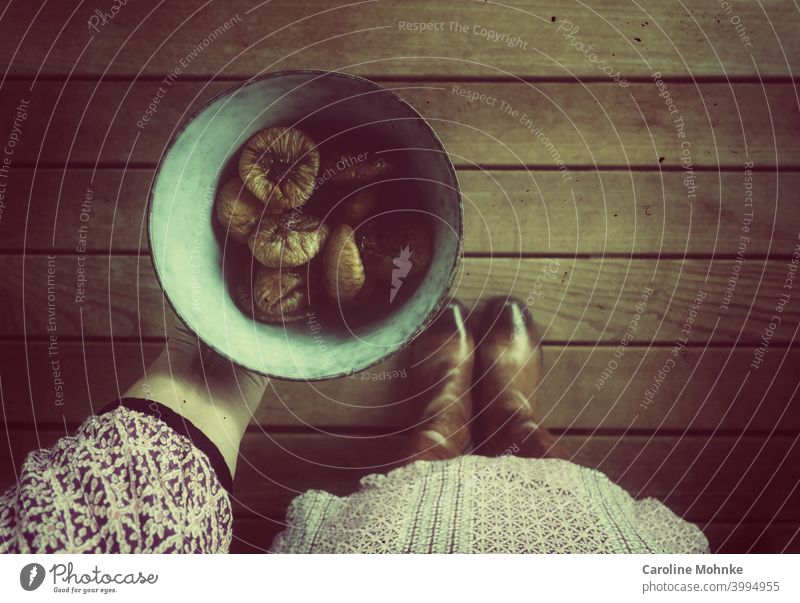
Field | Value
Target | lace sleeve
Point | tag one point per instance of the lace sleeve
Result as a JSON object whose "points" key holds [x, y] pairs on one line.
{"points": [[136, 478]]}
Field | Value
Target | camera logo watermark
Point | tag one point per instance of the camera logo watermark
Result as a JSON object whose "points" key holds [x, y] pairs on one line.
{"points": [[31, 576], [570, 32], [100, 19], [402, 266], [66, 580]]}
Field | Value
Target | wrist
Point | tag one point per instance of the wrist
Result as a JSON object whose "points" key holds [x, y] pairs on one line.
{"points": [[224, 424]]}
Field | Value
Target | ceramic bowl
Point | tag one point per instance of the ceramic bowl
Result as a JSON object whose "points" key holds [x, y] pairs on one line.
{"points": [[196, 264]]}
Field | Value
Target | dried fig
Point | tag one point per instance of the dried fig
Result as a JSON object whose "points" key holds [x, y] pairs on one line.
{"points": [[279, 166], [343, 271], [394, 245], [238, 210], [243, 295], [366, 294], [273, 295], [358, 207], [287, 240], [358, 170]]}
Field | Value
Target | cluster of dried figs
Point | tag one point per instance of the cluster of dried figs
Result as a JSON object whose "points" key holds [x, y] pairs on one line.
{"points": [[297, 254]]}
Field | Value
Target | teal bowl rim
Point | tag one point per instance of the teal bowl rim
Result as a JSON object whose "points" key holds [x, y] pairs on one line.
{"points": [[319, 73]]}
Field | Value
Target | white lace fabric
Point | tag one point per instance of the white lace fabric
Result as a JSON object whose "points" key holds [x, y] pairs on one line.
{"points": [[475, 504], [127, 482], [124, 483]]}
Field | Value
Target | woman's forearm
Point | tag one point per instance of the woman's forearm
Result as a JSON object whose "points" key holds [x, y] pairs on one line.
{"points": [[184, 389]]}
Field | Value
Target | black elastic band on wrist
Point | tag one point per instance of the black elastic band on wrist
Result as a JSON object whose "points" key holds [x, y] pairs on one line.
{"points": [[183, 426]]}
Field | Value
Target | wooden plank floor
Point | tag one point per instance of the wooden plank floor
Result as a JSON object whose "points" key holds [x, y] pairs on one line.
{"points": [[665, 166]]}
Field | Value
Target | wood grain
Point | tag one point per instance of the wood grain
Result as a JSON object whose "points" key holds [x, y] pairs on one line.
{"points": [[573, 300], [596, 124], [720, 479], [707, 390], [150, 38], [719, 442], [505, 212]]}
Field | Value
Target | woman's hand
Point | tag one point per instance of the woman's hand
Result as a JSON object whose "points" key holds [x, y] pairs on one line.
{"points": [[217, 396]]}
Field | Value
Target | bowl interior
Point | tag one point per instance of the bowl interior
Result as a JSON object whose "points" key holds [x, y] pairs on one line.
{"points": [[197, 264]]}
